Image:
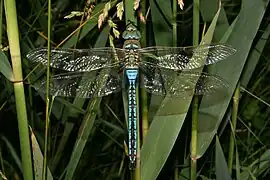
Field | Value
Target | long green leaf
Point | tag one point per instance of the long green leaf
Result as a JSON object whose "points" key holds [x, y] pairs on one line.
{"points": [[222, 172], [246, 25], [254, 57], [38, 159], [166, 126], [5, 67], [208, 10]]}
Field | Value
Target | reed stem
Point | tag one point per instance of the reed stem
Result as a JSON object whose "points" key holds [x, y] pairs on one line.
{"points": [[14, 45], [194, 128], [234, 121]]}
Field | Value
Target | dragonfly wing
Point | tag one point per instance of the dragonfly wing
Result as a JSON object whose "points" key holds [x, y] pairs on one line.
{"points": [[78, 59], [181, 84], [82, 84], [184, 58]]}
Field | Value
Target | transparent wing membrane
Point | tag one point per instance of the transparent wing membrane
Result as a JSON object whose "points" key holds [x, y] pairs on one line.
{"points": [[81, 60], [82, 84], [158, 66], [181, 84], [184, 58]]}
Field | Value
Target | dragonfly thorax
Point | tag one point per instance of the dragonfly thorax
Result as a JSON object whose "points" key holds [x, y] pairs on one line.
{"points": [[131, 59], [131, 56]]}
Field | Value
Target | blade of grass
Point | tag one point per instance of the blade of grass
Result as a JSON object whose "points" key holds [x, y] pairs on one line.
{"points": [[38, 159], [246, 25], [88, 121], [208, 10], [13, 153], [222, 172], [71, 112], [151, 154], [5, 67], [85, 129], [129, 11], [14, 44], [168, 120], [165, 11], [254, 57]]}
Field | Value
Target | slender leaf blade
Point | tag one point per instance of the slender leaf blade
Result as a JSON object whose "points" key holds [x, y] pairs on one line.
{"points": [[222, 172], [5, 67], [168, 121], [246, 25]]}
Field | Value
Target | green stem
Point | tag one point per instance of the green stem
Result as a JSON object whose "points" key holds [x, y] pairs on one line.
{"points": [[194, 128], [143, 97], [1, 20], [174, 25], [234, 120], [196, 21], [14, 44], [47, 120], [145, 124]]}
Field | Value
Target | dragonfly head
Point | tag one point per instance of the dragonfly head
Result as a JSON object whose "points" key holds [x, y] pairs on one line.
{"points": [[131, 32]]}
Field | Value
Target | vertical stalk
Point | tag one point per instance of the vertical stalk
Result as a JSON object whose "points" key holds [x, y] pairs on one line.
{"points": [[144, 104], [14, 44], [194, 126], [143, 95], [145, 124], [143, 98], [1, 20], [174, 25], [196, 21], [174, 28], [47, 120], [234, 120]]}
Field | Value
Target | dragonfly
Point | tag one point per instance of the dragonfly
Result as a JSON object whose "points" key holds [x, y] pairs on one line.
{"points": [[165, 71]]}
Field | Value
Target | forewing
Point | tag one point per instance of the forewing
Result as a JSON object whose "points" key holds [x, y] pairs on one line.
{"points": [[82, 84], [181, 84], [81, 60], [184, 58]]}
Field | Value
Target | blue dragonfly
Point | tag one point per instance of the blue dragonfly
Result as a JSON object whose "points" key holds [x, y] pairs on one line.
{"points": [[165, 71]]}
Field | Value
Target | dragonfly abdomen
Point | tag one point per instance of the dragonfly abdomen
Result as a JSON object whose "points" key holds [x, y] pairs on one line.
{"points": [[132, 75]]}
